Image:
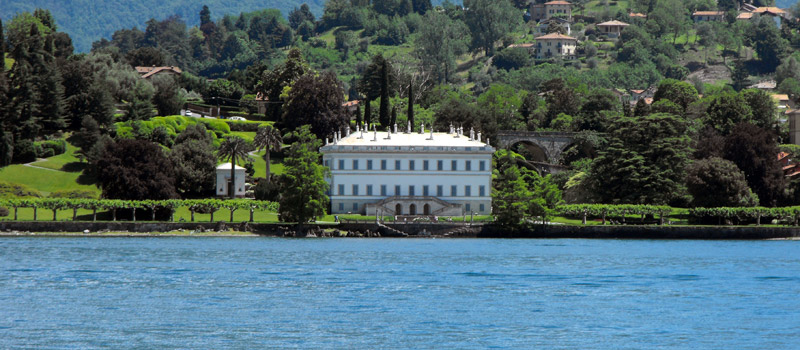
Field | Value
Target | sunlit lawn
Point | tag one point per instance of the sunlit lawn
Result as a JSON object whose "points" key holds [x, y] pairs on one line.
{"points": [[65, 162], [44, 180]]}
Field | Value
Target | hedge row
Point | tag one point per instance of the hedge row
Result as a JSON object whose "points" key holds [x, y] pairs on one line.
{"points": [[715, 216], [206, 206], [606, 211]]}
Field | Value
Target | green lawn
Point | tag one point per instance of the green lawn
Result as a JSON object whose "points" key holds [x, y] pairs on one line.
{"points": [[276, 166], [64, 162], [46, 180], [247, 135]]}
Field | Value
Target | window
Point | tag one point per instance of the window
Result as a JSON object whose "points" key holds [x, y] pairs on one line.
{"points": [[468, 165], [355, 164], [453, 191], [355, 190], [411, 190], [397, 190], [425, 191], [383, 190], [397, 165], [482, 165], [341, 206], [327, 163], [369, 190], [341, 164], [424, 165], [468, 208], [482, 191], [410, 165], [383, 164], [369, 164], [454, 165], [440, 165], [341, 190], [439, 190], [467, 190], [483, 208], [355, 206]]}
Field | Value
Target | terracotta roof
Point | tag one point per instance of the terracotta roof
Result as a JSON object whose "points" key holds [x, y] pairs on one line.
{"points": [[648, 100], [350, 103], [780, 97], [526, 45], [637, 91], [773, 10], [636, 14], [708, 13], [555, 36], [558, 2], [613, 23], [745, 15], [148, 72]]}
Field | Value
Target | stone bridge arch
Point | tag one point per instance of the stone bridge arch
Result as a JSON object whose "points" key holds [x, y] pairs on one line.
{"points": [[552, 144]]}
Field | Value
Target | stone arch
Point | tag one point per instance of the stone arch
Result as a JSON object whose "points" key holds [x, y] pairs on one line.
{"points": [[531, 150], [426, 209], [398, 209], [412, 209]]}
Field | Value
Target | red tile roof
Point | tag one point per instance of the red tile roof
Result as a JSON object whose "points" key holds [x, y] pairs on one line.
{"points": [[708, 13], [558, 2], [555, 36]]}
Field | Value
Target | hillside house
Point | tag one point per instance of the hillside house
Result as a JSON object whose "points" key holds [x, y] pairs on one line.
{"points": [[557, 8], [555, 45], [708, 16], [611, 29]]}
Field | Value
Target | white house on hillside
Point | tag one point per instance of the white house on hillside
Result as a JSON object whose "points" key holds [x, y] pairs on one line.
{"points": [[224, 181], [409, 173]]}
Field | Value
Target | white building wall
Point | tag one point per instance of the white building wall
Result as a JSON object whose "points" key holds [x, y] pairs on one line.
{"points": [[344, 180], [224, 175]]}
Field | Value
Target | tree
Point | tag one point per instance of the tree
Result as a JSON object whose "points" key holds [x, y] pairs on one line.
{"points": [[274, 82], [753, 150], [768, 44], [135, 170], [502, 103], [644, 162], [739, 76], [140, 107], [726, 110], [489, 21], [441, 39], [168, 98], [679, 92], [763, 107], [194, 160], [233, 148], [671, 17], [269, 139], [510, 194], [411, 105], [377, 81], [316, 100], [303, 195], [298, 16], [716, 182]]}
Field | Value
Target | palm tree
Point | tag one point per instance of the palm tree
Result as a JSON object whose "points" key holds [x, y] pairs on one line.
{"points": [[270, 139], [233, 148]]}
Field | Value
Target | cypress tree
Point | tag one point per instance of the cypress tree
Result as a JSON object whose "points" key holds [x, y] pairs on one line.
{"points": [[368, 111], [358, 114], [384, 108], [411, 104]]}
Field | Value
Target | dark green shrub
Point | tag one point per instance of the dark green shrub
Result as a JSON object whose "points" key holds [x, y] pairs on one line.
{"points": [[24, 152]]}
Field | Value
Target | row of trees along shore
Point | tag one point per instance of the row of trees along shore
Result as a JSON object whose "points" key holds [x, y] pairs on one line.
{"points": [[718, 215], [205, 206]]}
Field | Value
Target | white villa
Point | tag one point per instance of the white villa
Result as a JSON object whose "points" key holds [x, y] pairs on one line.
{"points": [[409, 173], [224, 180]]}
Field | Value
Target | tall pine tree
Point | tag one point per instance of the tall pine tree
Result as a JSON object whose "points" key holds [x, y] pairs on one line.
{"points": [[384, 107], [411, 105]]}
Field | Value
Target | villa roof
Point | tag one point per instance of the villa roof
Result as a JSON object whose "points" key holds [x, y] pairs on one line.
{"points": [[613, 23], [745, 15], [408, 139], [350, 103], [708, 13], [148, 72], [526, 45], [772, 10], [227, 166], [780, 97], [555, 36], [558, 2], [637, 14]]}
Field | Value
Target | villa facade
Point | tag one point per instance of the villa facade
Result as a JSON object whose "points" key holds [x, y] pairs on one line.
{"points": [[555, 45], [409, 173]]}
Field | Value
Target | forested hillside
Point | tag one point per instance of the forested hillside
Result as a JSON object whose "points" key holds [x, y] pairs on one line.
{"points": [[89, 20]]}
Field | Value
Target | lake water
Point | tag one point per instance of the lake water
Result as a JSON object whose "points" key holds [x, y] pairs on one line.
{"points": [[258, 293]]}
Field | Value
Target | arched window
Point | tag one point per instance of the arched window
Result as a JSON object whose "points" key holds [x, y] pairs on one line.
{"points": [[398, 209], [412, 209], [426, 209]]}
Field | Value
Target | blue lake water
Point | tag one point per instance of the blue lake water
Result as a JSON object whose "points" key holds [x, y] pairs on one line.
{"points": [[253, 293]]}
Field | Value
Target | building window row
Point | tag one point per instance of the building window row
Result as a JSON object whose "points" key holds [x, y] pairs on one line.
{"points": [[426, 165], [454, 191]]}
